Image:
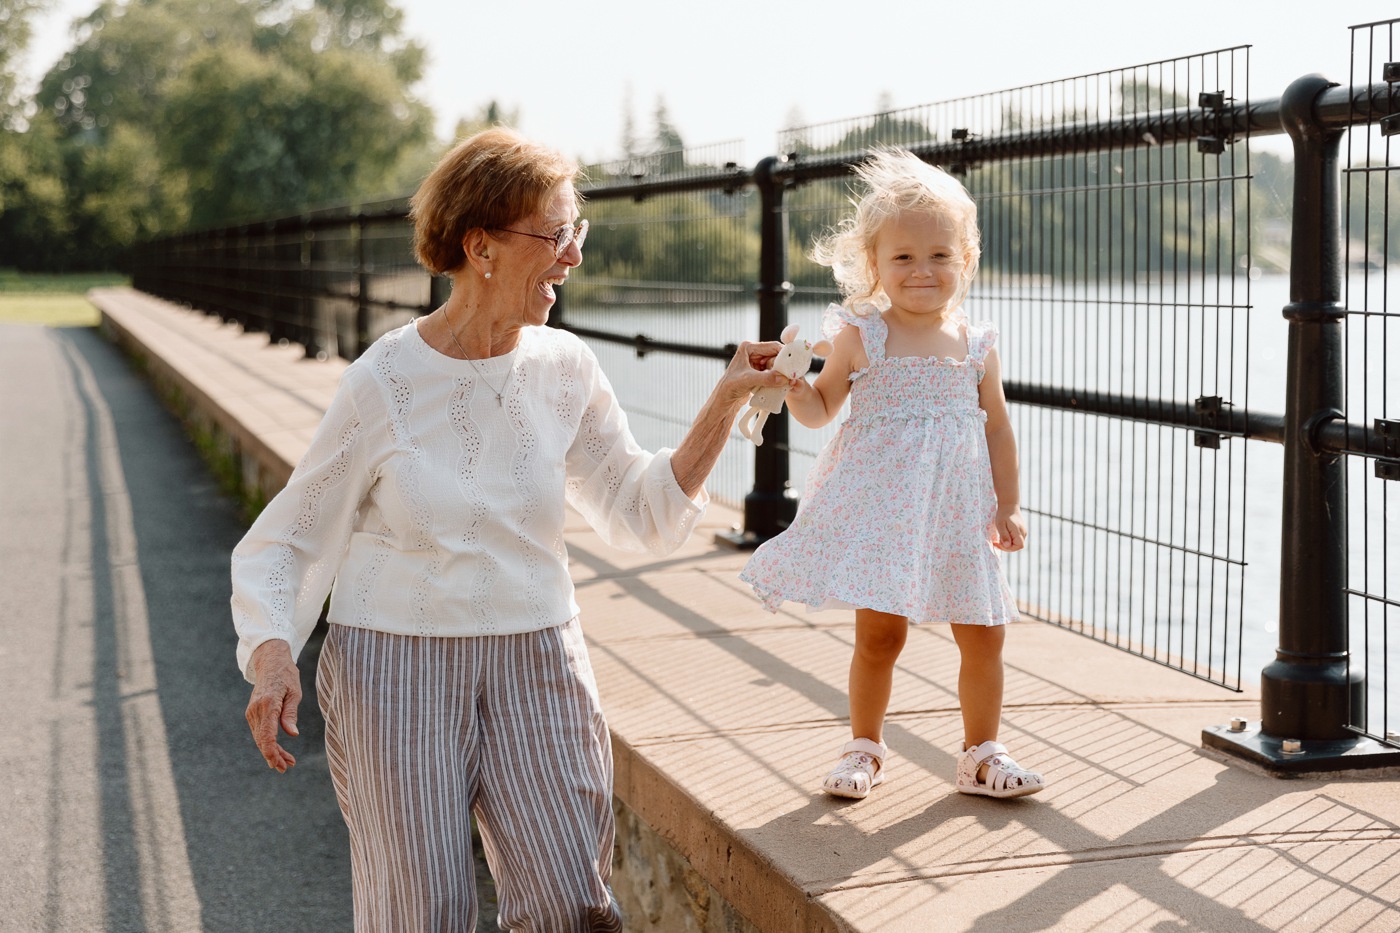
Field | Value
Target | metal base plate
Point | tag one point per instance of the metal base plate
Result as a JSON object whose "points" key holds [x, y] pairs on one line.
{"points": [[1317, 755], [739, 540]]}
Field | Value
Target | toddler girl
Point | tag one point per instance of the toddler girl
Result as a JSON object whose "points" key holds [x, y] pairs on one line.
{"points": [[905, 505]]}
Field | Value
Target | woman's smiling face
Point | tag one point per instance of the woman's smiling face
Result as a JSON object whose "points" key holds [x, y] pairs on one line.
{"points": [[526, 266]]}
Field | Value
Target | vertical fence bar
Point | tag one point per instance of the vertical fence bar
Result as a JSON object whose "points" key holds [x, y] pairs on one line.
{"points": [[362, 337], [440, 289], [772, 503], [313, 339]]}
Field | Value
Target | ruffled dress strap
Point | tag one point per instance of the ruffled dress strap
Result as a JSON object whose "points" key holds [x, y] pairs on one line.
{"points": [[866, 317], [834, 318], [981, 337]]}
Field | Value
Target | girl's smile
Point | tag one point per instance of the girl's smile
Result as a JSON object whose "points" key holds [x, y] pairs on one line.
{"points": [[919, 261]]}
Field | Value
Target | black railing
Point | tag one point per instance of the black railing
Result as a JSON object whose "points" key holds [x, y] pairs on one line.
{"points": [[1118, 253], [1371, 393]]}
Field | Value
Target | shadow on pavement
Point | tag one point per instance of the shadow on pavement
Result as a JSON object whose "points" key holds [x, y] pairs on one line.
{"points": [[264, 851]]}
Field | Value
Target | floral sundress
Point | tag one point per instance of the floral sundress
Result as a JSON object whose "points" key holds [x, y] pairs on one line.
{"points": [[898, 511]]}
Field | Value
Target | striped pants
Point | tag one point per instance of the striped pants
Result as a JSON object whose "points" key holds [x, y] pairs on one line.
{"points": [[422, 731]]}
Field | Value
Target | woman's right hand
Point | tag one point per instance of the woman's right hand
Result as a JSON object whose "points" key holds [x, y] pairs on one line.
{"points": [[750, 369], [276, 694]]}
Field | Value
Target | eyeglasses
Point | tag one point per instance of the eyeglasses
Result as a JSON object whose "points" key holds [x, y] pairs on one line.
{"points": [[561, 238]]}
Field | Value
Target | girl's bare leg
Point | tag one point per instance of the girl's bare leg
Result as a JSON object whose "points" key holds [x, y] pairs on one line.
{"points": [[879, 639], [980, 681]]}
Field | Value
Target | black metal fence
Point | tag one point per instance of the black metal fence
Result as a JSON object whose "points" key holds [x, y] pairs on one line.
{"points": [[1116, 264], [1371, 391], [1120, 265]]}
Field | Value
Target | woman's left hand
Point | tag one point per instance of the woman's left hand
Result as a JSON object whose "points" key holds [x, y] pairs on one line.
{"points": [[1010, 528], [751, 369]]}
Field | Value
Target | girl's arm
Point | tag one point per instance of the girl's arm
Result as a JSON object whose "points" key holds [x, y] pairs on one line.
{"points": [[1001, 445], [816, 404]]}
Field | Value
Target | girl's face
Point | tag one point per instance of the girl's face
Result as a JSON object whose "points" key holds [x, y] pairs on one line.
{"points": [[920, 260]]}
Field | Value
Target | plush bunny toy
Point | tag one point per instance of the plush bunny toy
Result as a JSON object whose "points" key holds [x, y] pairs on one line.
{"points": [[794, 359]]}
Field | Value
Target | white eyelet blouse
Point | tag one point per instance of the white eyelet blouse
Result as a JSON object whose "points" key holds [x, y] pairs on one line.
{"points": [[437, 509]]}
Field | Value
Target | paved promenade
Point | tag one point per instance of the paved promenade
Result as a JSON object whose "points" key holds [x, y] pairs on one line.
{"points": [[133, 798], [724, 718]]}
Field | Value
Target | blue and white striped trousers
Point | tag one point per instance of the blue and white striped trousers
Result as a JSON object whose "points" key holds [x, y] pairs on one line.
{"points": [[422, 731]]}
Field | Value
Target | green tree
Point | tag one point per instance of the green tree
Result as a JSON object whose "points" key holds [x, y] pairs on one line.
{"points": [[629, 144], [35, 223], [15, 30], [669, 147], [33, 216], [489, 115], [126, 56], [257, 134], [175, 112], [123, 194]]}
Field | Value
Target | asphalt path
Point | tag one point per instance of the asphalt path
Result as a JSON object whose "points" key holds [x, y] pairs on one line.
{"points": [[133, 798]]}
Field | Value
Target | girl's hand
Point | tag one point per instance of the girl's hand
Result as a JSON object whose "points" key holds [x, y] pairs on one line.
{"points": [[1011, 529], [800, 390]]}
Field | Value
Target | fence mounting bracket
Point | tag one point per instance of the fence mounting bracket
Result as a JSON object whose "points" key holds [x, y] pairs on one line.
{"points": [[1388, 464], [1213, 142], [961, 135], [1212, 100], [1209, 408]]}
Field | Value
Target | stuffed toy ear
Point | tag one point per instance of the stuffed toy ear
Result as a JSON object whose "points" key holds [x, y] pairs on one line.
{"points": [[789, 333], [822, 348]]}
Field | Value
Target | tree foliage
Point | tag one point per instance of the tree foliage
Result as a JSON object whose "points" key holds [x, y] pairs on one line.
{"points": [[1080, 216], [15, 29], [167, 113], [34, 216]]}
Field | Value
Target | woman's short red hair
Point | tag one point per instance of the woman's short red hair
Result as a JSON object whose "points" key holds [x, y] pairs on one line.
{"points": [[490, 181]]}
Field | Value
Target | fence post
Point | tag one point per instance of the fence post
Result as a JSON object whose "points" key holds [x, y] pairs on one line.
{"points": [[313, 340], [439, 290], [362, 339], [1307, 692], [772, 503], [1310, 693]]}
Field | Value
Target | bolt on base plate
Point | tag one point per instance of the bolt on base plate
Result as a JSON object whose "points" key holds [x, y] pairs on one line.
{"points": [[1312, 756]]}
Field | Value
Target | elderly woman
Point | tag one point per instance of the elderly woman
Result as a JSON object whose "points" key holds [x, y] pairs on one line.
{"points": [[454, 678]]}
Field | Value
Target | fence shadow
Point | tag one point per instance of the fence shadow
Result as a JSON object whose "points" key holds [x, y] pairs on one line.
{"points": [[263, 851], [1134, 806]]}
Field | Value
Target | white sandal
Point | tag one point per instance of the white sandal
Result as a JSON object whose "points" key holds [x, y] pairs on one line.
{"points": [[1005, 778], [861, 767]]}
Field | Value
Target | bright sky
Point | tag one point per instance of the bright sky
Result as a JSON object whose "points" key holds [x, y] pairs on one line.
{"points": [[736, 69]]}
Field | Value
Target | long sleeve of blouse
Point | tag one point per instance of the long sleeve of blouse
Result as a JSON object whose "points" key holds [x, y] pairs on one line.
{"points": [[284, 567], [425, 506]]}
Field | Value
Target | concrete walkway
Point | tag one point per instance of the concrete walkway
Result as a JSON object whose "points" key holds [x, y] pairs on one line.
{"points": [[133, 797], [724, 718]]}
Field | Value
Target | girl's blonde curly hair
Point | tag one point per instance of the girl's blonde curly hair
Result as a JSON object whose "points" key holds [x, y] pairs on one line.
{"points": [[898, 182]]}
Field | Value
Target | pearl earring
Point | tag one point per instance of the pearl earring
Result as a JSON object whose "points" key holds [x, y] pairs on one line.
{"points": [[488, 275]]}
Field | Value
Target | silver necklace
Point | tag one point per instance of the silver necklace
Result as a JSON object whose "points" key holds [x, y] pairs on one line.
{"points": [[451, 332]]}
